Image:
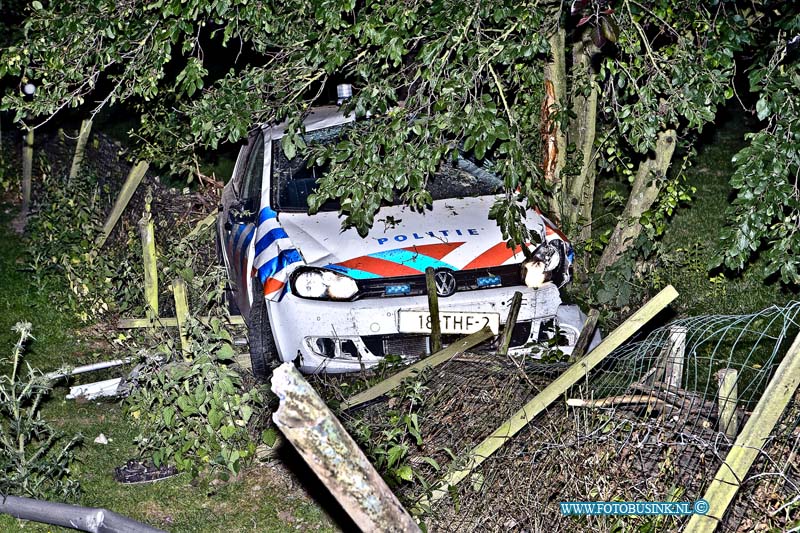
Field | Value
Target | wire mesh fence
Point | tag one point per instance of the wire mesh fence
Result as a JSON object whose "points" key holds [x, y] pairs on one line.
{"points": [[653, 423]]}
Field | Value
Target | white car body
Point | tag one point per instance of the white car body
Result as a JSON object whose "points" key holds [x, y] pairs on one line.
{"points": [[454, 236]]}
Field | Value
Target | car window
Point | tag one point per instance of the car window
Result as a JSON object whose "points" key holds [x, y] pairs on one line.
{"points": [[250, 192], [295, 179]]}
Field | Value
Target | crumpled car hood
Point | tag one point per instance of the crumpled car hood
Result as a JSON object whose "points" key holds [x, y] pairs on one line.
{"points": [[455, 234]]}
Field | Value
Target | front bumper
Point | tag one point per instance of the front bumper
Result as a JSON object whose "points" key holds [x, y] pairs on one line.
{"points": [[335, 337]]}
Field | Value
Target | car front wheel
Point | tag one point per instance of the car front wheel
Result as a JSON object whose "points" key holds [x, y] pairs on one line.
{"points": [[263, 352]]}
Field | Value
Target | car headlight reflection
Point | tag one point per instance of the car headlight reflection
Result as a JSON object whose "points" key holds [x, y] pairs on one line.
{"points": [[323, 284]]}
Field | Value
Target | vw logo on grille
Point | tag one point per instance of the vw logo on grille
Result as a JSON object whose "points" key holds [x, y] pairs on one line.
{"points": [[445, 282]]}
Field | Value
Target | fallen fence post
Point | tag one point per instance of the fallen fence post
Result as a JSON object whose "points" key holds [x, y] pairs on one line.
{"points": [[80, 149], [91, 519], [433, 308], [181, 313], [333, 455], [147, 234], [511, 321], [727, 398], [546, 397], [168, 322], [745, 450], [585, 336], [128, 188], [203, 224], [436, 359]]}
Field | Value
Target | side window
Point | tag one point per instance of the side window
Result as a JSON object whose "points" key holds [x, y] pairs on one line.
{"points": [[250, 193]]}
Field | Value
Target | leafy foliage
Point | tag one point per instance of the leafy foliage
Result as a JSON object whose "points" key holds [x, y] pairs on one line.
{"points": [[64, 226], [34, 460], [195, 412], [765, 216]]}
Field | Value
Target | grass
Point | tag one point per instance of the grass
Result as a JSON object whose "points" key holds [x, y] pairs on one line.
{"points": [[263, 498], [691, 237]]}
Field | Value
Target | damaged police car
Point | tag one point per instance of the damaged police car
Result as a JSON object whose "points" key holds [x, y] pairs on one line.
{"points": [[333, 301]]}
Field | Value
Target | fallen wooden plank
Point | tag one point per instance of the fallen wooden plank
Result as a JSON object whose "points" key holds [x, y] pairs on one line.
{"points": [[511, 321], [169, 322], [748, 445], [334, 456], [436, 359], [209, 220], [551, 393], [125, 195]]}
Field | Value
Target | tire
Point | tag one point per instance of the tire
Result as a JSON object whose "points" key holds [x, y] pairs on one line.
{"points": [[263, 351]]}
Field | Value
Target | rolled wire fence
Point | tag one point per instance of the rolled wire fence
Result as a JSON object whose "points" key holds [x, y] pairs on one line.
{"points": [[649, 424]]}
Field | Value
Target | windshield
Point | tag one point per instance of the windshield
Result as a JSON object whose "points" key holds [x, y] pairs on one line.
{"points": [[295, 179]]}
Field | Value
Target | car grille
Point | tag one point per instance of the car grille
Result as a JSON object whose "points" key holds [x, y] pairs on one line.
{"points": [[466, 280]]}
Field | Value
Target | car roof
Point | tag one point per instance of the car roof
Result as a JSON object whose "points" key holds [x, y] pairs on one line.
{"points": [[317, 118]]}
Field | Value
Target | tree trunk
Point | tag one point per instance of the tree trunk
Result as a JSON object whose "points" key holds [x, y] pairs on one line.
{"points": [[646, 186], [583, 131], [555, 142]]}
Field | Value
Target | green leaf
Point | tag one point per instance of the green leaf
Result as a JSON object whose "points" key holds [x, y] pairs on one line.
{"points": [[269, 437], [168, 414], [405, 473]]}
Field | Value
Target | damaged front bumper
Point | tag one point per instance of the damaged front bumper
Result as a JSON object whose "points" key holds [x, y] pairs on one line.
{"points": [[327, 336]]}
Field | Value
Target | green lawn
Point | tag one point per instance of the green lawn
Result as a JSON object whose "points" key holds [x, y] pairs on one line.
{"points": [[263, 498]]}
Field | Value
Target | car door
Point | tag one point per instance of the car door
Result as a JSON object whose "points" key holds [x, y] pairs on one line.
{"points": [[239, 216]]}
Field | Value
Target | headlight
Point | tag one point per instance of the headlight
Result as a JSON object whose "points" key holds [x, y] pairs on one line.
{"points": [[534, 274], [323, 284]]}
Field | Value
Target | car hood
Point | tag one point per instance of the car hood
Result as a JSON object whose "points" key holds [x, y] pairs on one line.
{"points": [[455, 234]]}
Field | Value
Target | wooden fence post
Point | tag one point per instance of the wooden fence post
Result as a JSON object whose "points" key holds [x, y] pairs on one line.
{"points": [[747, 447], [27, 172], [551, 393], [673, 365], [511, 321], [334, 456], [125, 195], [147, 234], [80, 149], [181, 313], [585, 336], [433, 308], [728, 396]]}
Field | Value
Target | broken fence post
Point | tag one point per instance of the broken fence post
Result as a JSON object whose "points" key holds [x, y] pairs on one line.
{"points": [[27, 172], [150, 264], [433, 308], [333, 455], [128, 188], [511, 321], [436, 359], [585, 336], [751, 439], [673, 357], [727, 398], [546, 397], [80, 150], [181, 313]]}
